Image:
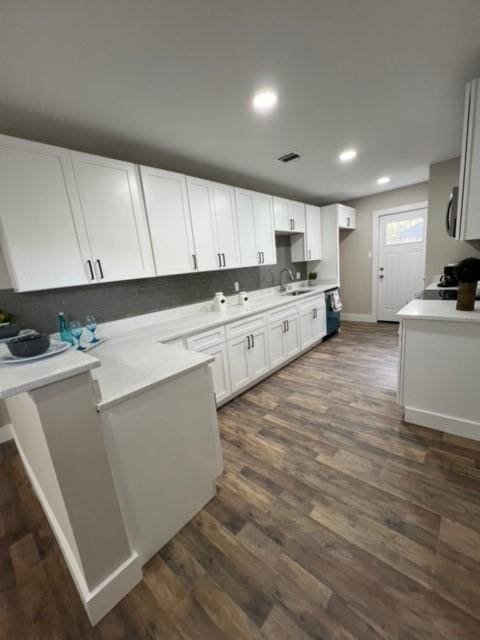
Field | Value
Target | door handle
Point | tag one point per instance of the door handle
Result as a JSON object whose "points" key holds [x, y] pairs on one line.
{"points": [[194, 258], [253, 341], [248, 342], [90, 270], [99, 267]]}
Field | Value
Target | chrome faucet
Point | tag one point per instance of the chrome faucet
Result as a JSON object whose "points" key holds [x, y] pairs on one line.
{"points": [[284, 287]]}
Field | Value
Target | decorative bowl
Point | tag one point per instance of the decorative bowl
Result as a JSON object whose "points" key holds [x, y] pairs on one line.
{"points": [[8, 330], [28, 346]]}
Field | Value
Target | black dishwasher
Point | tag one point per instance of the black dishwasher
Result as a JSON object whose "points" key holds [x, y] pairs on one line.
{"points": [[333, 310]]}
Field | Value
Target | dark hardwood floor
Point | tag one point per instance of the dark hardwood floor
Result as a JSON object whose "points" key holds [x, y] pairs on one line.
{"points": [[334, 520]]}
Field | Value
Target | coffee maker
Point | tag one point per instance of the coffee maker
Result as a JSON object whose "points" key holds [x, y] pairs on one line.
{"points": [[449, 278]]}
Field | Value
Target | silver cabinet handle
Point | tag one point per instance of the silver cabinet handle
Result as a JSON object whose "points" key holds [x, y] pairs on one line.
{"points": [[293, 221], [90, 270], [99, 267], [248, 342], [219, 259], [310, 254], [253, 340], [259, 257], [263, 257], [194, 258], [224, 261], [288, 325]]}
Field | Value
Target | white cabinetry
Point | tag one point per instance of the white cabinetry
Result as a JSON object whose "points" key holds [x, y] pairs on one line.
{"points": [[256, 228], [312, 321], [346, 217], [283, 334], [39, 208], [289, 216], [308, 246], [468, 222], [247, 351], [214, 223], [213, 343], [168, 215], [114, 217]]}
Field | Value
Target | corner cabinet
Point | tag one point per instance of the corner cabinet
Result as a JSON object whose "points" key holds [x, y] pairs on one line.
{"points": [[468, 222], [43, 237], [168, 214], [256, 228], [114, 218], [214, 223]]}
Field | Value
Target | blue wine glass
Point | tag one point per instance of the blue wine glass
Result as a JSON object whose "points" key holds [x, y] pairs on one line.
{"points": [[76, 329], [91, 325]]}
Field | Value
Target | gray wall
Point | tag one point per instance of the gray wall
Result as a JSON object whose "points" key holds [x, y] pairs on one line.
{"points": [[355, 264], [116, 300], [441, 249]]}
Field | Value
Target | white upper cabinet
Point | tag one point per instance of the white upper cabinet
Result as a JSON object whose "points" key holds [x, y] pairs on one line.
{"points": [[308, 246], [346, 217], [214, 223], [468, 221], [289, 216], [38, 208], [114, 217], [168, 214], [256, 228]]}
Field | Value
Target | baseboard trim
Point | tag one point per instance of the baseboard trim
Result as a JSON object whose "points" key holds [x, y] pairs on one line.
{"points": [[442, 422], [358, 317], [6, 433], [102, 598]]}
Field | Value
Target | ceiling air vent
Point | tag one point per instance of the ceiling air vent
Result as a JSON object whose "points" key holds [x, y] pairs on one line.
{"points": [[288, 157]]}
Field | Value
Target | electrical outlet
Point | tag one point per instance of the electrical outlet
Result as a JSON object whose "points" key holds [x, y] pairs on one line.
{"points": [[299, 275], [236, 286]]}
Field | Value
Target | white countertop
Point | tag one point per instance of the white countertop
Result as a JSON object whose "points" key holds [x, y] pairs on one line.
{"points": [[438, 310], [134, 359]]}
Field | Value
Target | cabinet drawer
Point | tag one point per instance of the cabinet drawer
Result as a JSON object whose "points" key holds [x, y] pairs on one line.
{"points": [[247, 325], [283, 312], [318, 301], [206, 339]]}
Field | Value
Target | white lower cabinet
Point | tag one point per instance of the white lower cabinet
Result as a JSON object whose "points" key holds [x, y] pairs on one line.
{"points": [[312, 321], [283, 337], [238, 358], [220, 371], [248, 353]]}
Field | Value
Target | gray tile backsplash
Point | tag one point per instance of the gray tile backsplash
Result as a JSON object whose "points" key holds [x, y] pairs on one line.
{"points": [[112, 301]]}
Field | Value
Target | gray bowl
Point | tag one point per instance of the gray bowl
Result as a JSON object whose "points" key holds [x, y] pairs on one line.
{"points": [[28, 346], [9, 330]]}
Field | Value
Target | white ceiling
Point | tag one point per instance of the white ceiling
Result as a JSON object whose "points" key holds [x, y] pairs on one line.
{"points": [[170, 83]]}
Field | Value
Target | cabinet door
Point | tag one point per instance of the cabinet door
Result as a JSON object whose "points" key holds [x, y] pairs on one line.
{"points": [[258, 354], [296, 212], [319, 323], [239, 362], [292, 337], [39, 209], [226, 226], [313, 233], [114, 217], [246, 228], [282, 216], [220, 371], [275, 339], [203, 224], [306, 327], [168, 215], [346, 217], [265, 228]]}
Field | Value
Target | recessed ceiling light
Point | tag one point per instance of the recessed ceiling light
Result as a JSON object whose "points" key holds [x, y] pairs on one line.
{"points": [[383, 180], [264, 100], [347, 155]]}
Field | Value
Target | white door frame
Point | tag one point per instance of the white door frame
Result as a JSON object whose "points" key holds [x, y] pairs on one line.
{"points": [[375, 244]]}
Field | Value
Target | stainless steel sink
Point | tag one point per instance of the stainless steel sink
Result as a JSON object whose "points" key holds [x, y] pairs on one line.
{"points": [[296, 293]]}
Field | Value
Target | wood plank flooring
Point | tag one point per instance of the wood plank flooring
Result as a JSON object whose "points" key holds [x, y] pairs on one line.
{"points": [[334, 520]]}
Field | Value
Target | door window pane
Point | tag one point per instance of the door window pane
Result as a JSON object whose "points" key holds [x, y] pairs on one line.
{"points": [[404, 231]]}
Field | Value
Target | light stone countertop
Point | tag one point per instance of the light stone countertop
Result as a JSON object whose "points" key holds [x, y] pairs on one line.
{"points": [[438, 310], [133, 359]]}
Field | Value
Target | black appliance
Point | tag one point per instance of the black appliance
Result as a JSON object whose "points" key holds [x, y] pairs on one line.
{"points": [[449, 276], [333, 315], [441, 294], [452, 213]]}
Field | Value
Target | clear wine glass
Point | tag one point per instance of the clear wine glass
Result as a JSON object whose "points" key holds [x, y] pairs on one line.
{"points": [[91, 325], [76, 329]]}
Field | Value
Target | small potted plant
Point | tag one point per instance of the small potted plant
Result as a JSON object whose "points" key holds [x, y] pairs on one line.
{"points": [[312, 278], [468, 275]]}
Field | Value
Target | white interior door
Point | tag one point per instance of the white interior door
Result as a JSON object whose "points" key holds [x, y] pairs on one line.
{"points": [[401, 260]]}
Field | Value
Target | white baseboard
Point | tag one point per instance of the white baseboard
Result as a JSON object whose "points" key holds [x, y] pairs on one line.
{"points": [[102, 598], [442, 422], [6, 433], [358, 317]]}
